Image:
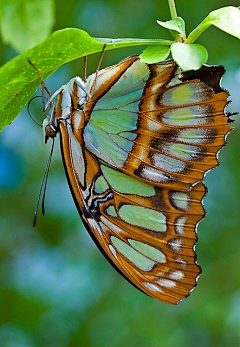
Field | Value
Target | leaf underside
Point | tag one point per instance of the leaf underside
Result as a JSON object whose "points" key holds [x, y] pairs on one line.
{"points": [[18, 79]]}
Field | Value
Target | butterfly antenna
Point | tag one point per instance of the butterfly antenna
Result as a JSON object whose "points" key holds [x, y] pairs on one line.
{"points": [[97, 70], [46, 180], [42, 84], [43, 187], [85, 69], [29, 113]]}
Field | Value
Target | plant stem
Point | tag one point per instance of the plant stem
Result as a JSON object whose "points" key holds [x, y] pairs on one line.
{"points": [[172, 7]]}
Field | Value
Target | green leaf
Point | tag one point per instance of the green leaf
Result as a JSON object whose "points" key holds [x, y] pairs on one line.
{"points": [[177, 24], [189, 57], [18, 79], [226, 19], [26, 23], [154, 54]]}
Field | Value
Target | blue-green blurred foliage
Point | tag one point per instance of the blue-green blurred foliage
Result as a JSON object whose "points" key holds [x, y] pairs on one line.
{"points": [[56, 288]]}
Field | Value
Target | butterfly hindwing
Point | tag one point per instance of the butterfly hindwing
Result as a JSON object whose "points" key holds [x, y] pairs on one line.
{"points": [[147, 232]]}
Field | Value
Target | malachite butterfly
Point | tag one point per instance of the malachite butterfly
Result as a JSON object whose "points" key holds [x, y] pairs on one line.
{"points": [[136, 143]]}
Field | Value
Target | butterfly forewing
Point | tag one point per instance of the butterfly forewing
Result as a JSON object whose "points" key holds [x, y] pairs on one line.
{"points": [[135, 154]]}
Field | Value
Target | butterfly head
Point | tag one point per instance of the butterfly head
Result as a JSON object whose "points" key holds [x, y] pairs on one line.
{"points": [[68, 99], [51, 122], [49, 130]]}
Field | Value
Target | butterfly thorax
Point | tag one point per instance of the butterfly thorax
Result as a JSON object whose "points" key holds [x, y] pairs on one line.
{"points": [[66, 105]]}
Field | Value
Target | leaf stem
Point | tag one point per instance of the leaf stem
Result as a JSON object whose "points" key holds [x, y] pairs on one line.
{"points": [[172, 7]]}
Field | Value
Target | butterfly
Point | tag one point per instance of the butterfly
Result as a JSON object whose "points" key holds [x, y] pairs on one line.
{"points": [[136, 142]]}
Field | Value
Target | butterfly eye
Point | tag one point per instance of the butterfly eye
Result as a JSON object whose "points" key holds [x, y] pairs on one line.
{"points": [[50, 131]]}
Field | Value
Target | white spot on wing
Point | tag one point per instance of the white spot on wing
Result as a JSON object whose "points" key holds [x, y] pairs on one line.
{"points": [[94, 225], [175, 244], [166, 283], [180, 224], [154, 175], [112, 249], [153, 126], [152, 287], [180, 200], [109, 225], [181, 261], [176, 275], [151, 105]]}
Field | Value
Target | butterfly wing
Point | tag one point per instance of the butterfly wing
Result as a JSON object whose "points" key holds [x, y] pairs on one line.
{"points": [[156, 123], [135, 168]]}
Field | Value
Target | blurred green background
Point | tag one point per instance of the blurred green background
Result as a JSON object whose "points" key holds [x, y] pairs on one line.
{"points": [[56, 288]]}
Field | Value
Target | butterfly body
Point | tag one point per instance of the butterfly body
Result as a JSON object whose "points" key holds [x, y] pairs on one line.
{"points": [[136, 143]]}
